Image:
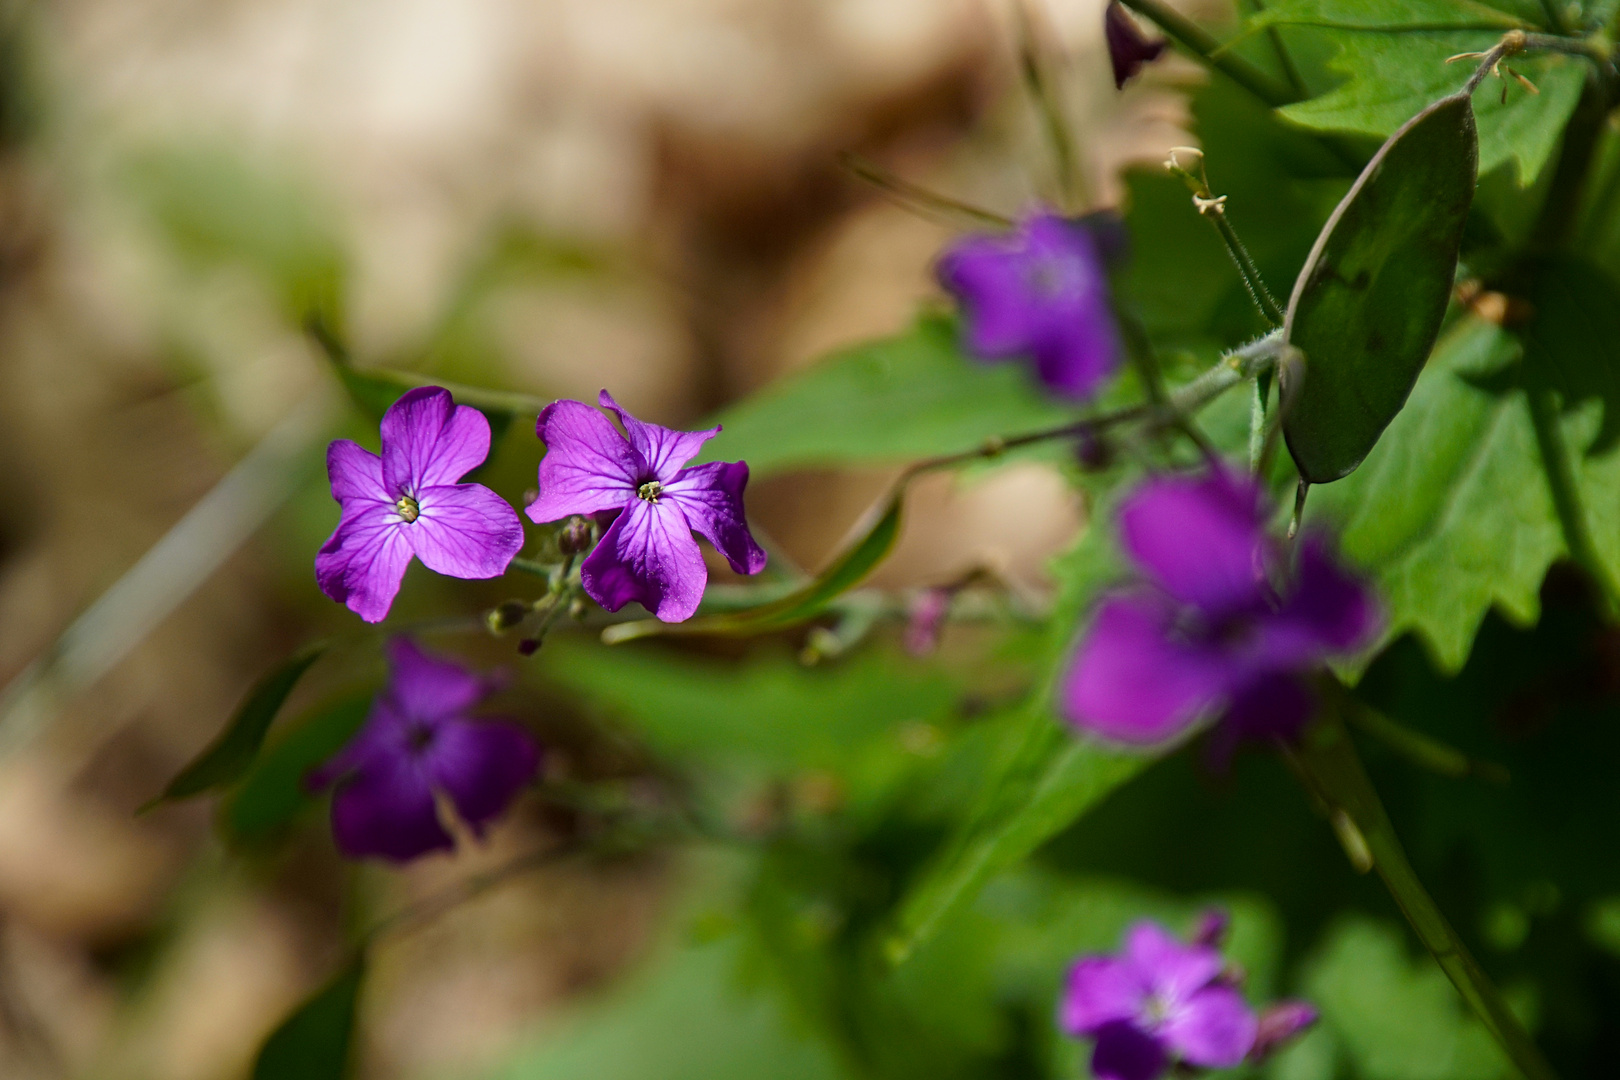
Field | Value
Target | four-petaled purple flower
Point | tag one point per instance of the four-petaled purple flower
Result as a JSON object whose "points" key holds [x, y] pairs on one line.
{"points": [[648, 554], [416, 745], [1128, 47], [1039, 292], [408, 502], [1222, 626], [1159, 1002]]}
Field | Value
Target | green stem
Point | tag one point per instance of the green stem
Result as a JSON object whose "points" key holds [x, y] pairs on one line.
{"points": [[1328, 765], [1566, 493], [1246, 269], [530, 566], [1421, 750], [1284, 61], [1203, 45], [1039, 84]]}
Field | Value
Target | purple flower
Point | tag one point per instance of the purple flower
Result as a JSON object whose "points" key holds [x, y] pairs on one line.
{"points": [[407, 502], [1156, 1003], [416, 745], [648, 554], [1128, 47], [1221, 624], [1039, 292]]}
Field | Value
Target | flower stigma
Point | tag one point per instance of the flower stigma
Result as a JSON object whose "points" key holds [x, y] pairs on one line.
{"points": [[650, 491], [407, 508]]}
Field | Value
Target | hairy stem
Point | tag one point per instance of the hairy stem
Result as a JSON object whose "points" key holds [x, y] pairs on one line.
{"points": [[1566, 493], [1328, 765]]}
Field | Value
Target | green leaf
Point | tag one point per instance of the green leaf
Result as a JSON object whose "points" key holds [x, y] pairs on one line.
{"points": [[272, 794], [1394, 1015], [688, 1017], [1395, 76], [1369, 301], [894, 400], [1450, 512], [1572, 343], [314, 1042], [1407, 15], [374, 389], [874, 538], [1054, 779], [228, 758]]}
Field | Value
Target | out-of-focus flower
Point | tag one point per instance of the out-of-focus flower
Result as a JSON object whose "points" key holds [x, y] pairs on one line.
{"points": [[1158, 1002], [1128, 47], [927, 620], [1039, 292], [1279, 1024], [407, 502], [648, 554], [1223, 626], [417, 744]]}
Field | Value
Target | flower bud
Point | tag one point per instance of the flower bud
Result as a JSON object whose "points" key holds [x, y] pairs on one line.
{"points": [[575, 536], [1211, 929], [1128, 47], [1095, 452], [928, 613], [1280, 1023], [506, 614]]}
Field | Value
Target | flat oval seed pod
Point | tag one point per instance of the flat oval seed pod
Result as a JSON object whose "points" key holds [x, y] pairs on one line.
{"points": [[1368, 304]]}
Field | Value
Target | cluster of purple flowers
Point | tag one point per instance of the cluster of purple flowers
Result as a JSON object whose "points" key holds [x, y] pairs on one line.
{"points": [[1161, 1003], [407, 501]]}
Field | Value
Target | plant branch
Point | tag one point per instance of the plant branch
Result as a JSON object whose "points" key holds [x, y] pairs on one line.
{"points": [[918, 198], [1421, 750], [1207, 50], [1327, 764], [1566, 494], [1213, 207]]}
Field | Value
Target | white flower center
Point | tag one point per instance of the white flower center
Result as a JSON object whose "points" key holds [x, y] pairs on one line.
{"points": [[650, 491], [407, 508]]}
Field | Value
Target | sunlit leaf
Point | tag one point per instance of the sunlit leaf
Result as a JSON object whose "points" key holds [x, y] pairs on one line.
{"points": [[873, 540], [228, 758], [314, 1042], [1392, 77], [1369, 301], [895, 400]]}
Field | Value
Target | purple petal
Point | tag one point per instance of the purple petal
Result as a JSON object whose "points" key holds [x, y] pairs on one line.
{"points": [[426, 687], [1134, 682], [364, 561], [481, 766], [465, 531], [984, 274], [1175, 971], [355, 472], [1126, 1052], [1100, 990], [588, 467], [1202, 539], [663, 449], [1128, 47], [648, 555], [1214, 1028], [711, 497], [1075, 357], [386, 809], [428, 440], [1330, 611]]}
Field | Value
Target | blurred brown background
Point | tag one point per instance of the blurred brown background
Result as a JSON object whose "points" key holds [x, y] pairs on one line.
{"points": [[665, 171]]}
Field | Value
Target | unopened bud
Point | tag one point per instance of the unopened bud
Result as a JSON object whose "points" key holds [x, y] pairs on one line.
{"points": [[1279, 1023], [506, 614], [528, 646], [1095, 452], [1128, 47], [928, 613], [1211, 929], [574, 537]]}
